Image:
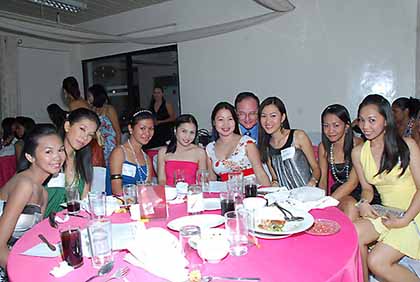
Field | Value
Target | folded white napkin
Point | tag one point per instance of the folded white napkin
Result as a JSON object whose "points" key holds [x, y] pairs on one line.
{"points": [[159, 252], [65, 218], [307, 206], [62, 269], [42, 250], [112, 205]]}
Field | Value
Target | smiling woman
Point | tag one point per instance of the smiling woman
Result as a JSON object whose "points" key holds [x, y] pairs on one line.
{"points": [[43, 155], [181, 152]]}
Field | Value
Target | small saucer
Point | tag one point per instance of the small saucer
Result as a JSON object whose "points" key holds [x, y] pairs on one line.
{"points": [[323, 227]]}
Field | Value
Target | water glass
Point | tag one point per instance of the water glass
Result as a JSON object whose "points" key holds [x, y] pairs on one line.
{"points": [[71, 246], [203, 179], [73, 200], [236, 223], [235, 181], [100, 241], [97, 204], [227, 201], [185, 234], [195, 201], [130, 194]]}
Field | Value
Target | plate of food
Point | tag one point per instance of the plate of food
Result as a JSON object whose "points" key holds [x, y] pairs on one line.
{"points": [[270, 220], [204, 221], [270, 237], [324, 227]]}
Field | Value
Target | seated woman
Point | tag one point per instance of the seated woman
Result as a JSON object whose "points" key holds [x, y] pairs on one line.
{"points": [[23, 199], [8, 140], [181, 153], [78, 130], [392, 164], [288, 152], [335, 158], [232, 152], [404, 110], [129, 164], [24, 125]]}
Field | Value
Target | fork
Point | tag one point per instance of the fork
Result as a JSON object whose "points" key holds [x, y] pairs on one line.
{"points": [[288, 216], [120, 273]]}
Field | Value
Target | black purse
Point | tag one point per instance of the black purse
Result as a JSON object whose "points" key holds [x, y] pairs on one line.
{"points": [[203, 137]]}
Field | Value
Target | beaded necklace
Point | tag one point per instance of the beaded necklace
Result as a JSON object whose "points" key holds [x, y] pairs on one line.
{"points": [[139, 168], [334, 169]]}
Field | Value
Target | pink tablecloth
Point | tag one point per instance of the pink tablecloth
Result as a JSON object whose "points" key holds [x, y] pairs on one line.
{"points": [[301, 257], [7, 168]]}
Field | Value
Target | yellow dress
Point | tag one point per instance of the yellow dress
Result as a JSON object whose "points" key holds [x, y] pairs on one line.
{"points": [[395, 192]]}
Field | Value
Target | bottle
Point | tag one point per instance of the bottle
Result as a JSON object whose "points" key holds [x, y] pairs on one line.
{"points": [[195, 202]]}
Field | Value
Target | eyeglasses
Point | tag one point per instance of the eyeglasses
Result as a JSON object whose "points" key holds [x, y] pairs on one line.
{"points": [[250, 115]]}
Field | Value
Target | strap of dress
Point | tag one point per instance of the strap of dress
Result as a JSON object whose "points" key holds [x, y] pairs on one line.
{"points": [[124, 152], [289, 139]]}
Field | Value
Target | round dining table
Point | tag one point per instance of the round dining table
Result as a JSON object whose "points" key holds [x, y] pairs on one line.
{"points": [[300, 257]]}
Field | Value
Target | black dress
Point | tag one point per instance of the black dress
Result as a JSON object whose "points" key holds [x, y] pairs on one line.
{"points": [[341, 175], [163, 131]]}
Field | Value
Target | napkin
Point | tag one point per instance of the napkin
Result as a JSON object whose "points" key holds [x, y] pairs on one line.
{"points": [[62, 269], [159, 252], [42, 250], [322, 203], [62, 220], [112, 204]]}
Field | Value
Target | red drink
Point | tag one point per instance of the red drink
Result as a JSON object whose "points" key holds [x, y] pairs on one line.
{"points": [[71, 245], [250, 190], [73, 207], [227, 205]]}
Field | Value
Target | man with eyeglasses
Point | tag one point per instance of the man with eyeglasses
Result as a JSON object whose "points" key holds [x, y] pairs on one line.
{"points": [[246, 105]]}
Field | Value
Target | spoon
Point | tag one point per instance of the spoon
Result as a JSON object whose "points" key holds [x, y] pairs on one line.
{"points": [[106, 268]]}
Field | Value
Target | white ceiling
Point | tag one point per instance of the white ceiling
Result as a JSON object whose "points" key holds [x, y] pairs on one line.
{"points": [[95, 9]]}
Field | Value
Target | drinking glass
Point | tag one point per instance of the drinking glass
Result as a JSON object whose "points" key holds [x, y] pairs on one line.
{"points": [[100, 240], [180, 183], [71, 246], [73, 200], [97, 204], [236, 223], [203, 179], [235, 181], [185, 234], [250, 185], [227, 201], [130, 194], [195, 202]]}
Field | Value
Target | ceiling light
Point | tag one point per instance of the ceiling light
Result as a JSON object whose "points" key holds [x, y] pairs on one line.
{"points": [[72, 6]]}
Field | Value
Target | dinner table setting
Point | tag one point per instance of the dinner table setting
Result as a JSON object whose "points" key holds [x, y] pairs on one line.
{"points": [[162, 233]]}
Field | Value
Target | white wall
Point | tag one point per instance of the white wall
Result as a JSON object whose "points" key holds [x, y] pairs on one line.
{"points": [[325, 51]]}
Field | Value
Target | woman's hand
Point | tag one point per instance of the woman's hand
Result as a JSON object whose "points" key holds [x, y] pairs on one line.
{"points": [[366, 210], [394, 222]]}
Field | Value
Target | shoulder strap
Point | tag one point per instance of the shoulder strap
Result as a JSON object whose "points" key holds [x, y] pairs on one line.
{"points": [[124, 152], [289, 140]]}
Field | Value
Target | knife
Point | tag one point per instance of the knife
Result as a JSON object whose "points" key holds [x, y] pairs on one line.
{"points": [[43, 239], [210, 278]]}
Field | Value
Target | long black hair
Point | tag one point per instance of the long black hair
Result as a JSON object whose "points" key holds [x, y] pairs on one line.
{"points": [[263, 137], [343, 114], [71, 86], [7, 128], [152, 101], [83, 156], [100, 97], [57, 115], [231, 109], [27, 123], [396, 151], [185, 118], [31, 143]]}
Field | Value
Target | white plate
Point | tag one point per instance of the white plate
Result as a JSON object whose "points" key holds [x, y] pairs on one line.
{"points": [[211, 204], [170, 193], [270, 237], [267, 190], [203, 220], [278, 197], [290, 227], [306, 194]]}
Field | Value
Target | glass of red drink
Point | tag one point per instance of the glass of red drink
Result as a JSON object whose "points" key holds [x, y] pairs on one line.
{"points": [[71, 246]]}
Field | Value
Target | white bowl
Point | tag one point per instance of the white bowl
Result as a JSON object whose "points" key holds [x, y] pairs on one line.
{"points": [[254, 203], [213, 250]]}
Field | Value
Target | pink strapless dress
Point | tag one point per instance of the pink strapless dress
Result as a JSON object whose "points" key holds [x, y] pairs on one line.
{"points": [[189, 168]]}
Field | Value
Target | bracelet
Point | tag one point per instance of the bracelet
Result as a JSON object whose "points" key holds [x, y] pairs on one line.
{"points": [[115, 176], [314, 179], [360, 202], [275, 181]]}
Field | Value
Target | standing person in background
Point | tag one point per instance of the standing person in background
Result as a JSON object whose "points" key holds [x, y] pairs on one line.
{"points": [[110, 126], [43, 155], [288, 152], [231, 152], [403, 110], [246, 105], [392, 164], [165, 117], [8, 140], [181, 153], [23, 126], [75, 101], [72, 94], [416, 128], [78, 130], [129, 164]]}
